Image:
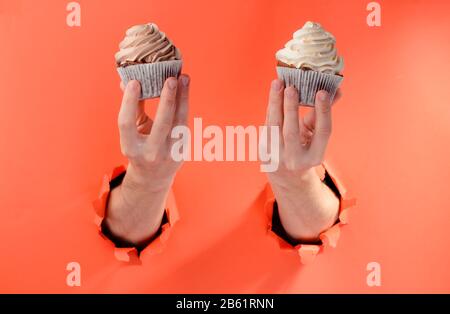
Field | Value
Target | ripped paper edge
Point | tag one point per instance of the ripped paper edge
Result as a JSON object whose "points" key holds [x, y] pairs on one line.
{"points": [[330, 237], [130, 254]]}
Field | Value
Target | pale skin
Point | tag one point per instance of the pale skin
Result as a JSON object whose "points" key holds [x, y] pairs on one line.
{"points": [[307, 207], [136, 207]]}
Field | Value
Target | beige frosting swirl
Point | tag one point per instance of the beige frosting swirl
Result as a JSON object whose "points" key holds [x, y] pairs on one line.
{"points": [[145, 44], [312, 48]]}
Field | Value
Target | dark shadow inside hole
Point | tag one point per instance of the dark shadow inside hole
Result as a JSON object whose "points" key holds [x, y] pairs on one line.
{"points": [[119, 242], [277, 226]]}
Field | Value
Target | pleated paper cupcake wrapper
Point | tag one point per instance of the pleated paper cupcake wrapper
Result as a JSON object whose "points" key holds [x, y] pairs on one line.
{"points": [[308, 83], [151, 76]]}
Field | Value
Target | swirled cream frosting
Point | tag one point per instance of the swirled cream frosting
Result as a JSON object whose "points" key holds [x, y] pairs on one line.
{"points": [[312, 48], [145, 44]]}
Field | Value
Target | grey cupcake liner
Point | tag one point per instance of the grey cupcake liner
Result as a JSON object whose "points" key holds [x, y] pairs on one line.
{"points": [[309, 82], [151, 76]]}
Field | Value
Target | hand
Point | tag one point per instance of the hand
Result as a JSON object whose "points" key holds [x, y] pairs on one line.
{"points": [[304, 139], [306, 205], [147, 143], [136, 207]]}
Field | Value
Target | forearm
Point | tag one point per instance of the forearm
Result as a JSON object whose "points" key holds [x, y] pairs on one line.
{"points": [[136, 207], [306, 205]]}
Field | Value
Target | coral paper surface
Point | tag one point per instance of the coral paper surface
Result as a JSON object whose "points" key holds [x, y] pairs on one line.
{"points": [[59, 101]]}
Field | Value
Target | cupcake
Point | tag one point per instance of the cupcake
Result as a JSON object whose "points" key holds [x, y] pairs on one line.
{"points": [[147, 55], [310, 62]]}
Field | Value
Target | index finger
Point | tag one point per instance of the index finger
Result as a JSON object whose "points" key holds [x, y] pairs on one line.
{"points": [[182, 100], [322, 129], [165, 113]]}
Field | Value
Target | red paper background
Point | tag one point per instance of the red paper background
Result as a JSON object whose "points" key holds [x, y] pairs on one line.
{"points": [[60, 97]]}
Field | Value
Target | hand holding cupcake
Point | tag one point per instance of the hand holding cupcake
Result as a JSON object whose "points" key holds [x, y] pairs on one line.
{"points": [[147, 55], [310, 62]]}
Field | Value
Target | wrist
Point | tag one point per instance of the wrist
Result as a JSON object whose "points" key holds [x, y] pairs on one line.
{"points": [[299, 180], [143, 180]]}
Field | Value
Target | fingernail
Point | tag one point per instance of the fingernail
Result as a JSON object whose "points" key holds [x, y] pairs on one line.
{"points": [[133, 85], [277, 85], [172, 83], [185, 80], [291, 92], [323, 96]]}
